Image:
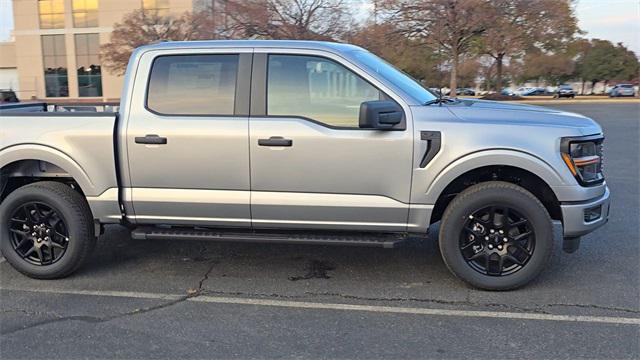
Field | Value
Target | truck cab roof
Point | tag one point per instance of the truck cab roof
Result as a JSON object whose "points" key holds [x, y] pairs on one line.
{"points": [[291, 44]]}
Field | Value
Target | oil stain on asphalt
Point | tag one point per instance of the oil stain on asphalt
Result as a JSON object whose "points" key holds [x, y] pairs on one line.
{"points": [[315, 269]]}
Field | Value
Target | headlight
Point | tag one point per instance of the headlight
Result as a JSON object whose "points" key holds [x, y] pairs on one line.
{"points": [[583, 156]]}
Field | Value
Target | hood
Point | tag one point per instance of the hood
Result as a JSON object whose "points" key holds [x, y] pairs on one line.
{"points": [[520, 114]]}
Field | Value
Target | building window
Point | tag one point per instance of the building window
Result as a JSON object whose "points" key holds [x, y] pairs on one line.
{"points": [[89, 72], [54, 57], [85, 13], [156, 7], [51, 14]]}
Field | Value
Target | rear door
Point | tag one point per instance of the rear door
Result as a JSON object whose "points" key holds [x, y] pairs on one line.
{"points": [[311, 165], [187, 138]]}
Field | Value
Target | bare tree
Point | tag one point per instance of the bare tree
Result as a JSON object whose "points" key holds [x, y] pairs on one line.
{"points": [[289, 19], [140, 28], [410, 55], [450, 25], [515, 26]]}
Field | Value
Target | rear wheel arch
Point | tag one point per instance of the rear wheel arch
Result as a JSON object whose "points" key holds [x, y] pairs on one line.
{"points": [[28, 163], [24, 172]]}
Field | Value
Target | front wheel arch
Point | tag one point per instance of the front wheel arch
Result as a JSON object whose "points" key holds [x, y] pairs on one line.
{"points": [[511, 174]]}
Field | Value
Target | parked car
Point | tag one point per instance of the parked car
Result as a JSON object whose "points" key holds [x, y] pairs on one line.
{"points": [[521, 90], [435, 91], [565, 91], [508, 92], [534, 92], [461, 91], [8, 96], [622, 90], [255, 141], [465, 92]]}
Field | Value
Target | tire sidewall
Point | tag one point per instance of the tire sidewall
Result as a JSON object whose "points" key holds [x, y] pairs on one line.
{"points": [[71, 220], [527, 206]]}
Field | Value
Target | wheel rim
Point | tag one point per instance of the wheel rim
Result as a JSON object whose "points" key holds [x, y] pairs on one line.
{"points": [[497, 240], [38, 233]]}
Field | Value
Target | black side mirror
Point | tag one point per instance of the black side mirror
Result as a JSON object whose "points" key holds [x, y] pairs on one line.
{"points": [[381, 114]]}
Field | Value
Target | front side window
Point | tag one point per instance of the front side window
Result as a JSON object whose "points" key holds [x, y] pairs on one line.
{"points": [[51, 14], [156, 7], [316, 88], [54, 58], [88, 65], [85, 13], [193, 84]]}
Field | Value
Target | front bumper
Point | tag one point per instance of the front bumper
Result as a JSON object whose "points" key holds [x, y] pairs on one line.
{"points": [[573, 215]]}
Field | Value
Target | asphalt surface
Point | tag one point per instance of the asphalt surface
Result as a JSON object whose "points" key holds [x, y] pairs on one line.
{"points": [[157, 299]]}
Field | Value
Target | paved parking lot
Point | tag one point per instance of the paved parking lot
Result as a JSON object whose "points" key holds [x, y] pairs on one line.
{"points": [[150, 299]]}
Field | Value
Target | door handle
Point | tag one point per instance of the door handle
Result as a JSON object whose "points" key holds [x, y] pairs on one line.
{"points": [[151, 140], [275, 141]]}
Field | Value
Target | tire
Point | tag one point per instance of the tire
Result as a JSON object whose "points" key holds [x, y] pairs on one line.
{"points": [[512, 263], [65, 214]]}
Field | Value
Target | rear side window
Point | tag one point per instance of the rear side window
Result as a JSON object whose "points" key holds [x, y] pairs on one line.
{"points": [[193, 85]]}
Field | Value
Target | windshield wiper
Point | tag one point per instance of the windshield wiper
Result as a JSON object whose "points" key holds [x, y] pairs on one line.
{"points": [[440, 101]]}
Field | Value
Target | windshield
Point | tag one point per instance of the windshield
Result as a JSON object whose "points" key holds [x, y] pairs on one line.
{"points": [[403, 81]]}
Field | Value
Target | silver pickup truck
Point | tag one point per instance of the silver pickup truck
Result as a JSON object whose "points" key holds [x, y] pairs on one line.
{"points": [[298, 142]]}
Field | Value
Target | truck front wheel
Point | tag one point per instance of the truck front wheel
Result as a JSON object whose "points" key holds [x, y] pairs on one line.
{"points": [[46, 230], [496, 236]]}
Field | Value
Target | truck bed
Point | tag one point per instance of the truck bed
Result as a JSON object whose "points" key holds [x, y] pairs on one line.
{"points": [[79, 144]]}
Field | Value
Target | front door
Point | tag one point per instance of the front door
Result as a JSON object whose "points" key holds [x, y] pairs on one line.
{"points": [[311, 165], [187, 140]]}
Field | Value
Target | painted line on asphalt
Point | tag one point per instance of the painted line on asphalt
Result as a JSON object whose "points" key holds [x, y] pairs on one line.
{"points": [[345, 307], [419, 311], [124, 294]]}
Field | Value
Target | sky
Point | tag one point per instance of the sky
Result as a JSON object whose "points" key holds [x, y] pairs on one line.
{"points": [[613, 20]]}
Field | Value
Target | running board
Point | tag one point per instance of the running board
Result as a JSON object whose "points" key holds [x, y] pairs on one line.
{"points": [[257, 236]]}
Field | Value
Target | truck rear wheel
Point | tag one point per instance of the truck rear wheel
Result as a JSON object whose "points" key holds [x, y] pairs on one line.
{"points": [[46, 230], [496, 236]]}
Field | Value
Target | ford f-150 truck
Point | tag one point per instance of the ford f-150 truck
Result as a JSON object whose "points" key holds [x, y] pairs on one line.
{"points": [[298, 142]]}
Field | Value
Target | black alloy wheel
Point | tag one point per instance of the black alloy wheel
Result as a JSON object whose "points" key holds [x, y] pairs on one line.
{"points": [[39, 234], [496, 235], [497, 241], [47, 230]]}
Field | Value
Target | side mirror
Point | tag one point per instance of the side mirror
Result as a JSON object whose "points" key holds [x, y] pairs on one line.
{"points": [[381, 114]]}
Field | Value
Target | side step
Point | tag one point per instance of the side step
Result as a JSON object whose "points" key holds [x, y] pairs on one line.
{"points": [[259, 236]]}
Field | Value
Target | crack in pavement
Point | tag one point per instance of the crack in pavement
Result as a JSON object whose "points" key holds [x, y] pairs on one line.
{"points": [[103, 319], [94, 319], [198, 291]]}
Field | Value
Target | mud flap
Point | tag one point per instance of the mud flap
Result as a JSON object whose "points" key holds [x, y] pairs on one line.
{"points": [[571, 244]]}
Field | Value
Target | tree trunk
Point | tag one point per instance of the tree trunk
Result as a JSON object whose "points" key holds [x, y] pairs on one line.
{"points": [[582, 90], [499, 62], [593, 85], [453, 84]]}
